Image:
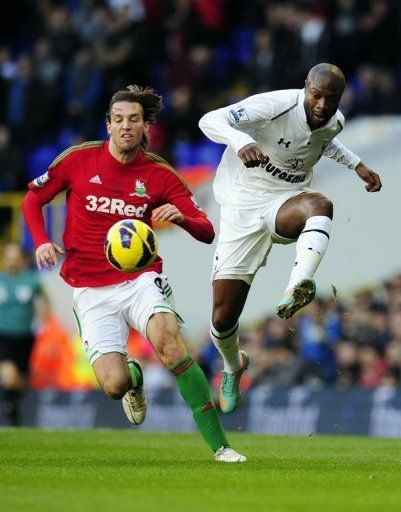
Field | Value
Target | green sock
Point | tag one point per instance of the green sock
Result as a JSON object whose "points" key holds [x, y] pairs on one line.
{"points": [[195, 390], [136, 374]]}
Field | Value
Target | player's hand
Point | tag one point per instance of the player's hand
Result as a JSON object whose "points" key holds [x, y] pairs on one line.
{"points": [[46, 255], [167, 213], [252, 156], [372, 179]]}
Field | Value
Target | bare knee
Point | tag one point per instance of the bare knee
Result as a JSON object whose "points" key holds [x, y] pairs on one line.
{"points": [[112, 373], [318, 204], [223, 318], [229, 296], [115, 387]]}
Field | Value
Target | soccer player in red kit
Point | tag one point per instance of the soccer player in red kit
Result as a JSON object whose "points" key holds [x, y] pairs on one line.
{"points": [[105, 182]]}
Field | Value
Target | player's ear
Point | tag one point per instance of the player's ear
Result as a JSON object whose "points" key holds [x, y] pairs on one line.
{"points": [[108, 128], [146, 127]]}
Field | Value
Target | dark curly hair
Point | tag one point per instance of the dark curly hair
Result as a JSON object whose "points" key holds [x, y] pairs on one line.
{"points": [[150, 101]]}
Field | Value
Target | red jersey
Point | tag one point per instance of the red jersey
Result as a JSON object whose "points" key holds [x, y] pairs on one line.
{"points": [[100, 191]]}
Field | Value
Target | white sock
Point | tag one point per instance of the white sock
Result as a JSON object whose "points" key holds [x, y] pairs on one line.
{"points": [[227, 344], [311, 246]]}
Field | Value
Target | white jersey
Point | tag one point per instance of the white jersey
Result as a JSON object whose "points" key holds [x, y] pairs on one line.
{"points": [[276, 121]]}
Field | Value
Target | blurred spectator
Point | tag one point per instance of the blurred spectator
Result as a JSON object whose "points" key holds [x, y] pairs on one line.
{"points": [[12, 172], [207, 357], [83, 87], [315, 344], [52, 359], [181, 118], [393, 358], [192, 70], [393, 289], [379, 32], [19, 288], [47, 68], [213, 14], [12, 177], [389, 100], [221, 50], [90, 22], [7, 64], [280, 367], [261, 68], [123, 53], [183, 26], [345, 42], [372, 366], [378, 332], [282, 19], [30, 109], [313, 36], [274, 332], [131, 9], [366, 94], [356, 318], [58, 29], [394, 321], [347, 364]]}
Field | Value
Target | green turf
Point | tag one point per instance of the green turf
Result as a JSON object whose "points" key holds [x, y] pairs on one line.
{"points": [[118, 471]]}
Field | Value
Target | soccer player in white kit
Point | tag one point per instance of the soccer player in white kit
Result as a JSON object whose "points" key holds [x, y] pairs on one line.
{"points": [[262, 184]]}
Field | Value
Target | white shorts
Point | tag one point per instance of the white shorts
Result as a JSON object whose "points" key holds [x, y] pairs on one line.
{"points": [[104, 314], [246, 236]]}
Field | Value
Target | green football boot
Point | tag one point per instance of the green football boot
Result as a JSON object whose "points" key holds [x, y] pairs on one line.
{"points": [[230, 394], [298, 297]]}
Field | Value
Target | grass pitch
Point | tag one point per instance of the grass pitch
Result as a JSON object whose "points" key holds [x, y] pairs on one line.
{"points": [[119, 471]]}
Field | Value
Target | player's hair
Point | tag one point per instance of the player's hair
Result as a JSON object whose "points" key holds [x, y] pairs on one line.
{"points": [[150, 101]]}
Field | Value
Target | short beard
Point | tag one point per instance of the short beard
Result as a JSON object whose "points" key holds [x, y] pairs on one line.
{"points": [[127, 150]]}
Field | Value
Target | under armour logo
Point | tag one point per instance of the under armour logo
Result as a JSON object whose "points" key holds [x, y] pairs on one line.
{"points": [[286, 144]]}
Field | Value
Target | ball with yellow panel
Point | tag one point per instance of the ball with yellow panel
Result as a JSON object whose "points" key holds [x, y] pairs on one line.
{"points": [[130, 245]]}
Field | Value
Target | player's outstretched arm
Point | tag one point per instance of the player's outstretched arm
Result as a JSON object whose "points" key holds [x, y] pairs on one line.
{"points": [[252, 156], [372, 179], [46, 255]]}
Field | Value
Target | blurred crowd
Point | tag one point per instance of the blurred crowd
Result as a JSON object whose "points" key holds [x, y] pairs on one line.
{"points": [[336, 341], [60, 61], [333, 342]]}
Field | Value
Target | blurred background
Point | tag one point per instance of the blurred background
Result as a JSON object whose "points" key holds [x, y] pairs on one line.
{"points": [[336, 367]]}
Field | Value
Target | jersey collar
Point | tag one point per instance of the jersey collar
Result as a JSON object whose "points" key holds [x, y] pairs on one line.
{"points": [[113, 162]]}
